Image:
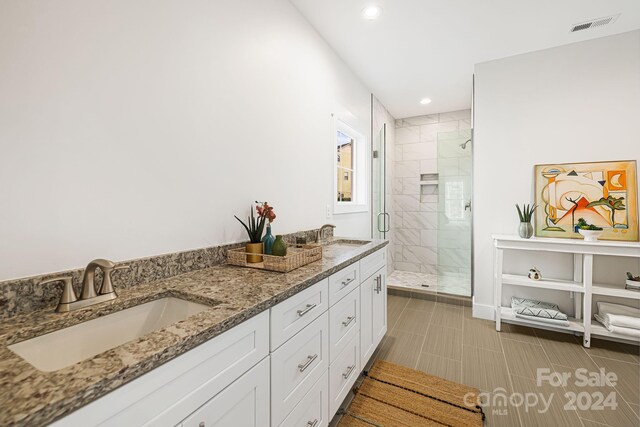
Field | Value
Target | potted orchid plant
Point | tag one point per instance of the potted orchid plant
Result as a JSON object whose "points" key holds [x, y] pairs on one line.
{"points": [[255, 226]]}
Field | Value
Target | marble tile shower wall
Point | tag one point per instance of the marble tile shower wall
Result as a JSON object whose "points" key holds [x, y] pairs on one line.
{"points": [[415, 218]]}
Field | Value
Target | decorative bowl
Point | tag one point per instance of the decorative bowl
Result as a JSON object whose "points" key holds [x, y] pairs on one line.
{"points": [[590, 235]]}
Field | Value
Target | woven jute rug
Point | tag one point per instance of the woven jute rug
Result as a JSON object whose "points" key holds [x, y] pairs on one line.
{"points": [[393, 395]]}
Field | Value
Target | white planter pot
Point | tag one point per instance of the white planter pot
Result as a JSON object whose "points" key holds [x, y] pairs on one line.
{"points": [[590, 235]]}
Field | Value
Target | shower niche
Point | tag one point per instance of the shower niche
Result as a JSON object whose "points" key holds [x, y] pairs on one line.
{"points": [[428, 186]]}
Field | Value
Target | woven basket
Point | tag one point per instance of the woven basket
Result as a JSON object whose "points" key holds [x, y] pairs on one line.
{"points": [[296, 257]]}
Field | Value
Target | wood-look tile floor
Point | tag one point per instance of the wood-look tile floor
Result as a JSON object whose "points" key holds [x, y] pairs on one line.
{"points": [[444, 340]]}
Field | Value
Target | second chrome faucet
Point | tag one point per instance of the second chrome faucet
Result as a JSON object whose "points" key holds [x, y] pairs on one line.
{"points": [[69, 301]]}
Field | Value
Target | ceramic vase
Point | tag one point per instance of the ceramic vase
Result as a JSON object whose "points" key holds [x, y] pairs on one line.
{"points": [[279, 247], [525, 230], [254, 248], [268, 240]]}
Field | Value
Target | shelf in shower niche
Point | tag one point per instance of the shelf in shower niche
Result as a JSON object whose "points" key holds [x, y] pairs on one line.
{"points": [[429, 179]]}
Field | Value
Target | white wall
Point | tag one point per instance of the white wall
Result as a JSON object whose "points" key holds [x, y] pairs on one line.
{"points": [[574, 103], [129, 129]]}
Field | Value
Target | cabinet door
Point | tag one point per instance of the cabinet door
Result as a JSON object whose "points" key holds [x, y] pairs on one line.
{"points": [[379, 320], [366, 319], [373, 312], [245, 403]]}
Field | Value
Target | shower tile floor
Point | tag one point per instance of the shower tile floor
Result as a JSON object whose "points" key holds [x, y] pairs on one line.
{"points": [[450, 283]]}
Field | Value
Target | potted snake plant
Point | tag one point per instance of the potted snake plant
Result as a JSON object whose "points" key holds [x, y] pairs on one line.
{"points": [[526, 213], [255, 227]]}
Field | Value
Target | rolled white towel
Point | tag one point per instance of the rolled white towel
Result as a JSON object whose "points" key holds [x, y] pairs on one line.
{"points": [[619, 315], [632, 332]]}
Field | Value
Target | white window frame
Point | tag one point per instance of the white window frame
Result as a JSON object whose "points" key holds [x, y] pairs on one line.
{"points": [[360, 198]]}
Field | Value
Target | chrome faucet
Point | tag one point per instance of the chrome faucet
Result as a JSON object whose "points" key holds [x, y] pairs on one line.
{"points": [[320, 234], [70, 302]]}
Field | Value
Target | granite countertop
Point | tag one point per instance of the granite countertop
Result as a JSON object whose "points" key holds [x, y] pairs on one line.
{"points": [[32, 397]]}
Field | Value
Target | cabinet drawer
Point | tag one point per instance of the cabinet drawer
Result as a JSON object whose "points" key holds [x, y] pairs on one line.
{"points": [[244, 403], [372, 263], [344, 322], [292, 315], [343, 282], [297, 365], [313, 409], [343, 373]]}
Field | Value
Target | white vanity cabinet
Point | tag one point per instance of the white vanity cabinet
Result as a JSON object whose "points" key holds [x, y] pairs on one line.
{"points": [[290, 365]]}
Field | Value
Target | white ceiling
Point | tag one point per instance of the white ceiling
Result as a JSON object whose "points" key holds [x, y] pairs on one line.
{"points": [[427, 48]]}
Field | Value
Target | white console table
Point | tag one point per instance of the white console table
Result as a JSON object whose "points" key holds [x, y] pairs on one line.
{"points": [[582, 284]]}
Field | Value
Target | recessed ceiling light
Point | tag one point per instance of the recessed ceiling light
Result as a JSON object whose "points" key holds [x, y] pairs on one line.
{"points": [[425, 101], [371, 12]]}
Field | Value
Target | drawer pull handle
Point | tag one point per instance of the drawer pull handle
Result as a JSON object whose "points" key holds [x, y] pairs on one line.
{"points": [[346, 282], [378, 280], [313, 423], [349, 320], [303, 366], [349, 370], [306, 310]]}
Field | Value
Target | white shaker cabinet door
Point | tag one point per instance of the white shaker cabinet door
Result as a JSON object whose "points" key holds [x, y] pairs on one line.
{"points": [[373, 313], [245, 403], [366, 320], [379, 318]]}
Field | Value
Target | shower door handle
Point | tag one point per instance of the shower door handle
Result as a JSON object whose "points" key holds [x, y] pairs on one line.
{"points": [[387, 222], [467, 206]]}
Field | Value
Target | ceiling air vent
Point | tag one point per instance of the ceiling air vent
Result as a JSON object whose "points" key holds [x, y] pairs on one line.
{"points": [[594, 23]]}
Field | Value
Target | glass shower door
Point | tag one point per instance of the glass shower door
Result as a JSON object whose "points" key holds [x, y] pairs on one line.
{"points": [[454, 212], [380, 218]]}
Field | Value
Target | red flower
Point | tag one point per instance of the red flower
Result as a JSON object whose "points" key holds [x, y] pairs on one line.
{"points": [[265, 211]]}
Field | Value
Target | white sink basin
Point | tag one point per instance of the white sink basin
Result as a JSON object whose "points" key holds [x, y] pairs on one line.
{"points": [[67, 346]]}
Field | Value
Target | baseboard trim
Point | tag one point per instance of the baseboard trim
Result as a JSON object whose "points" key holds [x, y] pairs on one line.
{"points": [[483, 311]]}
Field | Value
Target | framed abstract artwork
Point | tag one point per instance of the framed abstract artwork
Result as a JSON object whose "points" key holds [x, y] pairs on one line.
{"points": [[604, 194]]}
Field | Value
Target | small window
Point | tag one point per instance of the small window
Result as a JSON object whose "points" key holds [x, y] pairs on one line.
{"points": [[350, 170], [345, 167]]}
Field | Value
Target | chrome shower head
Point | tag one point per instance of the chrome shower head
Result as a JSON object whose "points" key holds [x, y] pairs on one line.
{"points": [[464, 144]]}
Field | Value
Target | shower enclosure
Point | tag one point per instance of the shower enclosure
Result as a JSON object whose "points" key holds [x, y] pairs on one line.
{"points": [[432, 204]]}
